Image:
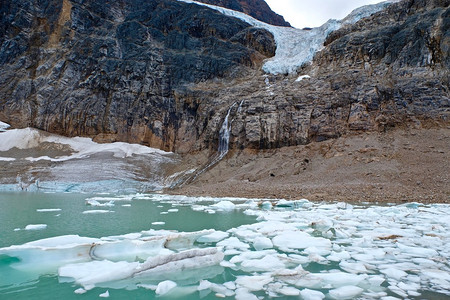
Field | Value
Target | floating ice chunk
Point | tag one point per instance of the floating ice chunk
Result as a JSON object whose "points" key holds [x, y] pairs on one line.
{"points": [[376, 280], [224, 205], [299, 240], [126, 205], [94, 272], [267, 263], [338, 256], [345, 292], [253, 283], [217, 288], [301, 77], [314, 257], [353, 267], [80, 291], [322, 225], [213, 237], [244, 294], [261, 243], [233, 242], [394, 273], [189, 259], [438, 274], [93, 202], [48, 209], [230, 285], [104, 295], [308, 294], [317, 251], [173, 210], [165, 286], [204, 285], [35, 226], [97, 211], [398, 291], [267, 205], [417, 251], [129, 250], [339, 279], [289, 291], [158, 223]]}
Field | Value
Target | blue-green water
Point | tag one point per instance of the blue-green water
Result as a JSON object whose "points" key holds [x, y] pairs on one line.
{"points": [[17, 210], [291, 250]]}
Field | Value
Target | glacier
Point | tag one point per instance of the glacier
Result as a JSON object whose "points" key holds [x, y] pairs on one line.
{"points": [[35, 160], [297, 47]]}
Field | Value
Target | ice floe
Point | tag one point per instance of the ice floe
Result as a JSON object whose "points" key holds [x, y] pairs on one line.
{"points": [[294, 248], [35, 226], [48, 209]]}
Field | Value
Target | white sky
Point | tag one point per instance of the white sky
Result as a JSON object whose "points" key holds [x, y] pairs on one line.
{"points": [[313, 13]]}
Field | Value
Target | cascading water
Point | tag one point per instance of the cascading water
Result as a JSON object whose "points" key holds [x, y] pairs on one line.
{"points": [[224, 134], [224, 144]]}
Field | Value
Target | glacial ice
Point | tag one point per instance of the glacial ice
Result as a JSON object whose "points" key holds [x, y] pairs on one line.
{"points": [[346, 292], [296, 47], [74, 159], [48, 209], [299, 240], [3, 126], [213, 237], [165, 286], [104, 295], [35, 226], [28, 138]]}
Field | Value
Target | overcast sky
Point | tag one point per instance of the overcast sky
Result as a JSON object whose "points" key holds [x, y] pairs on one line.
{"points": [[313, 13]]}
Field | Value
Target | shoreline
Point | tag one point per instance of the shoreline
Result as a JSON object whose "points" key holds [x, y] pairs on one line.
{"points": [[394, 167]]}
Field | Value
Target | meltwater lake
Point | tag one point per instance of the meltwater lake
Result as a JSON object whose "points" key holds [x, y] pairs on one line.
{"points": [[152, 246]]}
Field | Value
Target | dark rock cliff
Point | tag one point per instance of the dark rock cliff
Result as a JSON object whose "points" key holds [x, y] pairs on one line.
{"points": [[255, 8], [165, 74], [89, 67]]}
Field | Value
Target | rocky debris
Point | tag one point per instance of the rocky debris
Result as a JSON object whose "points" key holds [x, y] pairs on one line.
{"points": [[258, 9], [395, 166]]}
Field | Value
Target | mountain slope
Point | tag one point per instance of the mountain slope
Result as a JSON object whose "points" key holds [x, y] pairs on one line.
{"points": [[167, 73], [255, 8]]}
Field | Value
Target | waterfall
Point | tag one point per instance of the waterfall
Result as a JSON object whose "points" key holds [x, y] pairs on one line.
{"points": [[222, 150], [224, 134]]}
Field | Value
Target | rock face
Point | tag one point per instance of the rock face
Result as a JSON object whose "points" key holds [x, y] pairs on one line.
{"points": [[113, 70], [255, 8], [166, 73]]}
